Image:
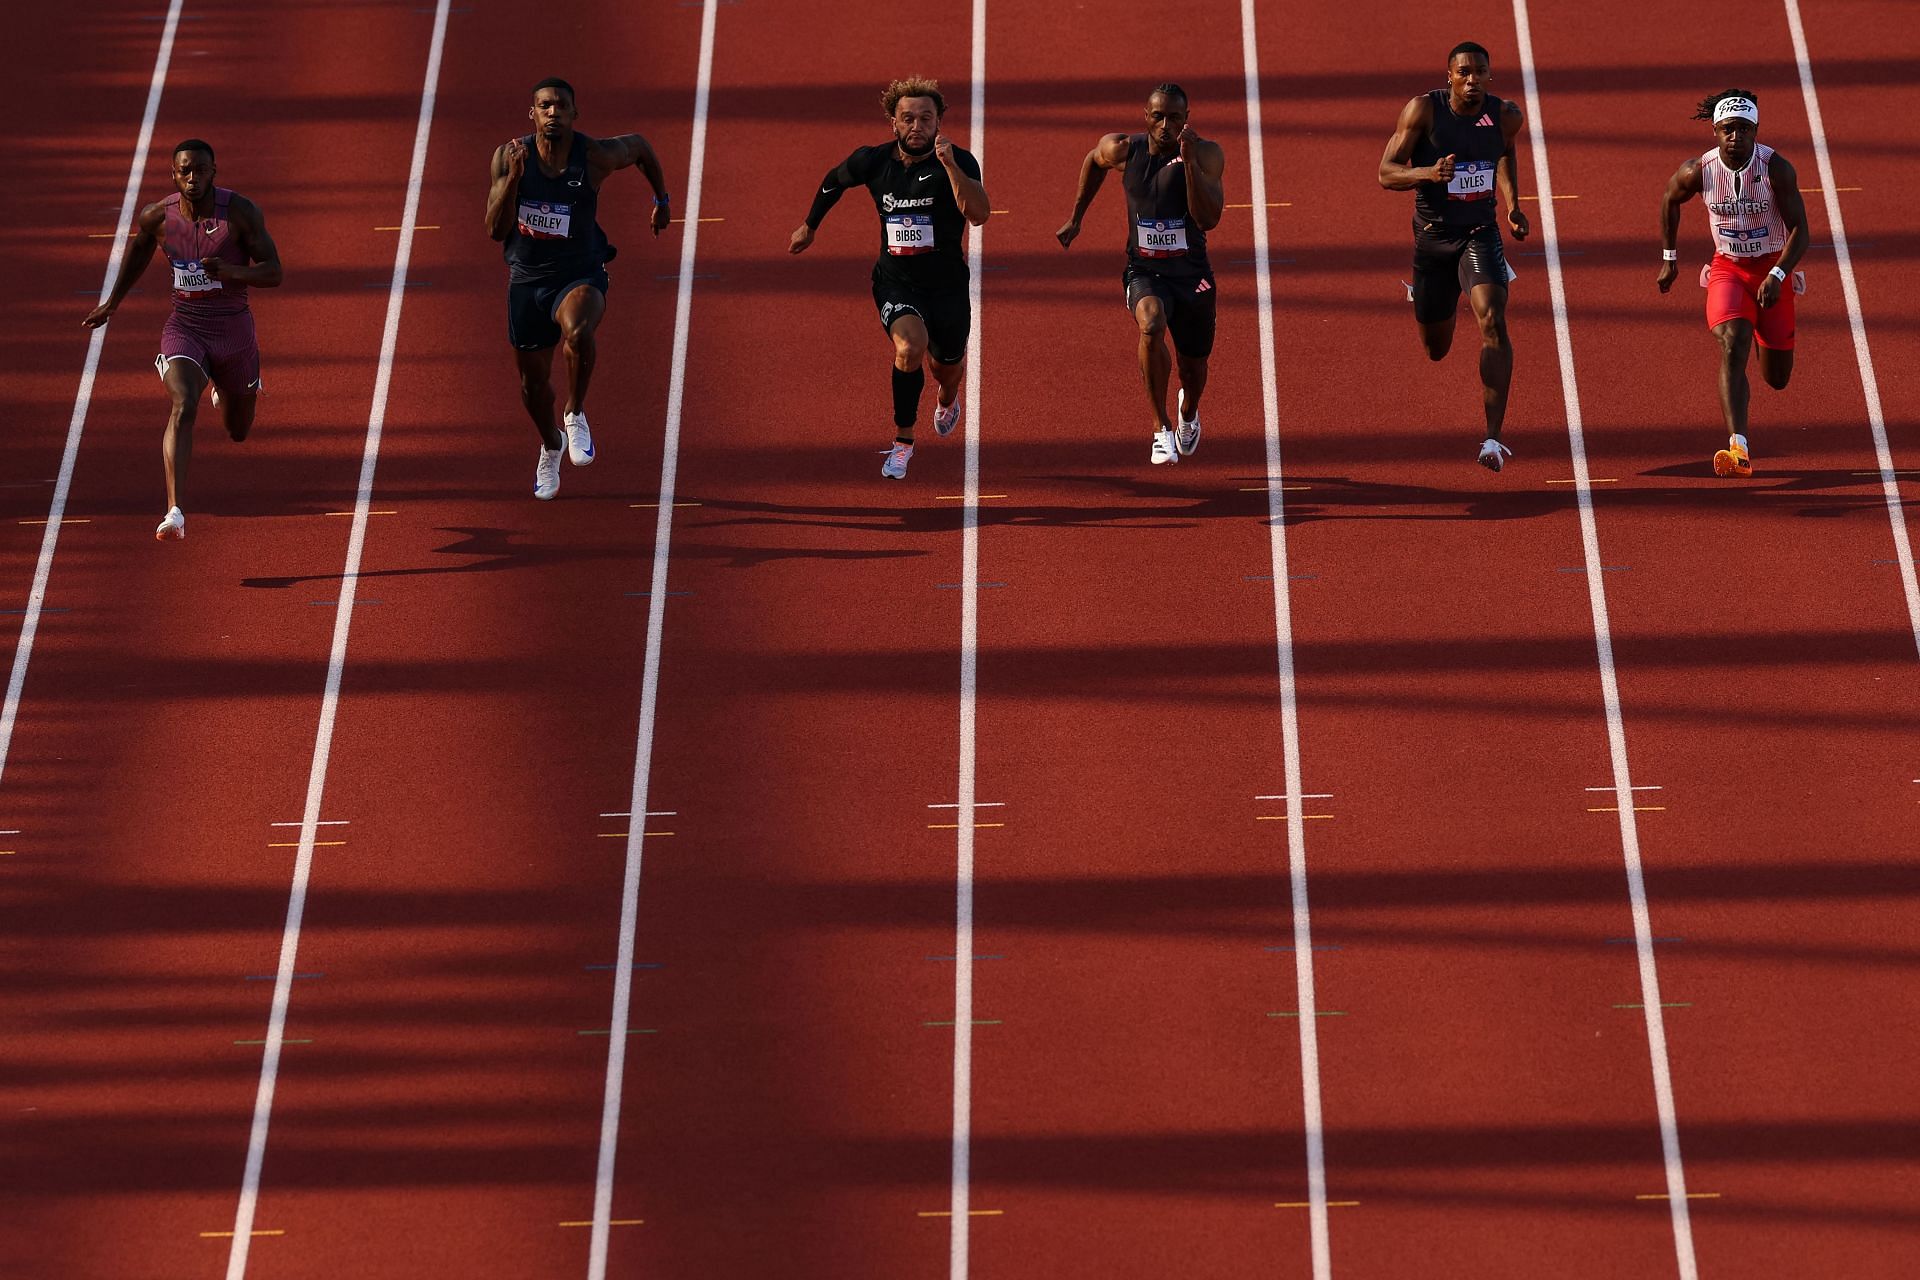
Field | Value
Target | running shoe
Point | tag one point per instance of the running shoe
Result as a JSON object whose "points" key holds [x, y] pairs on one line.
{"points": [[174, 526], [1493, 454], [1734, 460], [946, 416], [1165, 449], [546, 476], [1187, 434], [895, 467], [579, 440]]}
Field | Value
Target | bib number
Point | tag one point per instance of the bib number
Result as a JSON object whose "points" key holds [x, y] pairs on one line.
{"points": [[1161, 237], [543, 220], [1472, 180], [1736, 242], [909, 233], [191, 278]]}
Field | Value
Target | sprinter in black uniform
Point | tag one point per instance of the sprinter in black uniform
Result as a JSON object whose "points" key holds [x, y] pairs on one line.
{"points": [[1172, 180], [1453, 148], [920, 281], [556, 259]]}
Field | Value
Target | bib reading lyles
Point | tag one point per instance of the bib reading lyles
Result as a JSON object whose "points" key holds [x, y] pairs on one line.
{"points": [[192, 277], [909, 233], [1472, 180], [1161, 237], [541, 220]]}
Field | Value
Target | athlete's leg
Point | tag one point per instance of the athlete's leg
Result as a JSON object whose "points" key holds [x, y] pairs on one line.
{"points": [[1193, 382], [1776, 366], [909, 335], [184, 382], [948, 378], [1489, 303], [536, 393], [579, 316], [1736, 343], [1437, 337], [1156, 366], [236, 413]]}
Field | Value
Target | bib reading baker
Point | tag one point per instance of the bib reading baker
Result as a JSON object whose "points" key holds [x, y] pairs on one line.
{"points": [[1161, 237], [1165, 239]]}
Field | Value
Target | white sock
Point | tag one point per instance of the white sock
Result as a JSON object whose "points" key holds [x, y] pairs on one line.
{"points": [[1737, 441]]}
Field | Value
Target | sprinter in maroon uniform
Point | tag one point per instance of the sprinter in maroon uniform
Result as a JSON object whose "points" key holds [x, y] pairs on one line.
{"points": [[217, 248]]}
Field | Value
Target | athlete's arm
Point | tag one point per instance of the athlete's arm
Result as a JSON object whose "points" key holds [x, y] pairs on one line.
{"points": [[1683, 186], [145, 240], [1108, 153], [1506, 170], [1396, 170], [1205, 163], [509, 162], [1793, 212], [609, 154], [967, 191], [852, 172], [255, 243]]}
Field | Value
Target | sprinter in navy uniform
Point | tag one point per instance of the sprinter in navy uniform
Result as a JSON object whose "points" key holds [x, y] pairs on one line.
{"points": [[556, 254], [1453, 148], [926, 190], [1172, 179]]}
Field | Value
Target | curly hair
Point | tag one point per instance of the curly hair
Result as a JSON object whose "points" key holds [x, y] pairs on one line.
{"points": [[1705, 110], [912, 87]]}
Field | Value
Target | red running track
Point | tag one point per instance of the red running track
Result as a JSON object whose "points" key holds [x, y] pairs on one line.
{"points": [[1137, 1088]]}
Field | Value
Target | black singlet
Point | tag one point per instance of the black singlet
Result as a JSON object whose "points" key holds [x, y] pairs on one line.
{"points": [[921, 226], [1161, 238], [554, 237], [1476, 143]]}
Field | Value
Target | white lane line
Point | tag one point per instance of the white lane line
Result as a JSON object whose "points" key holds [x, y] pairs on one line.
{"points": [[43, 570], [960, 1173], [1311, 1118], [1609, 685], [1843, 256], [650, 678], [336, 665]]}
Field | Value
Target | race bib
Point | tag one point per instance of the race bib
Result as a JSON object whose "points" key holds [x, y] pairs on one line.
{"points": [[1472, 180], [1161, 237], [1734, 242], [191, 277], [543, 220], [909, 233]]}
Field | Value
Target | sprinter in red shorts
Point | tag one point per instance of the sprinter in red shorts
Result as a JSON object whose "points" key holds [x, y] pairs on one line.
{"points": [[1759, 227]]}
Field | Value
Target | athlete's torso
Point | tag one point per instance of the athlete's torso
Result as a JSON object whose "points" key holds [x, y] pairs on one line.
{"points": [[554, 231], [1161, 238], [188, 242], [1740, 209], [921, 226], [1476, 144]]}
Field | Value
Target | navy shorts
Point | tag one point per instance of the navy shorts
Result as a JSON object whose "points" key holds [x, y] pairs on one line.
{"points": [[1187, 302], [531, 308]]}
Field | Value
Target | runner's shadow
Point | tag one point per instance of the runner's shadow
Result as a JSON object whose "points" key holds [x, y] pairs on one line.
{"points": [[492, 543]]}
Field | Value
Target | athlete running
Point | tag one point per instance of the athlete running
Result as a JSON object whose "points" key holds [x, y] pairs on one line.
{"points": [[217, 244], [1453, 148], [1759, 226], [1172, 180], [920, 280], [556, 260]]}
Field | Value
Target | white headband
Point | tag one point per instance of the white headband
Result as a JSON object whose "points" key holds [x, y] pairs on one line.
{"points": [[1743, 108]]}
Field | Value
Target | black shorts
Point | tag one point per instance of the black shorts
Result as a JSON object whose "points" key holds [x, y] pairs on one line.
{"points": [[1188, 303], [1448, 261], [531, 308], [947, 314]]}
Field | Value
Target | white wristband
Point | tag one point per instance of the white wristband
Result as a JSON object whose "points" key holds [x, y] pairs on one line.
{"points": [[1778, 274], [1669, 255]]}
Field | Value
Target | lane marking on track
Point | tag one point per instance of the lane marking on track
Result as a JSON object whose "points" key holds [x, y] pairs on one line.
{"points": [[1641, 787], [649, 506], [87, 520], [978, 804], [956, 959], [1285, 488], [263, 1041], [1691, 1195], [1590, 480], [83, 398], [1271, 204], [1308, 1204], [1638, 808], [1311, 1121], [641, 595], [609, 968], [1318, 946], [622, 1005], [632, 1031], [972, 1022], [1318, 1013], [1557, 197], [1857, 320], [1668, 1004], [1653, 940], [1308, 795], [683, 220], [356, 513], [612, 1222], [1603, 656], [968, 497], [1836, 189], [336, 664], [269, 977], [324, 822], [425, 226], [972, 1213], [651, 813], [296, 844], [224, 1235], [954, 826]]}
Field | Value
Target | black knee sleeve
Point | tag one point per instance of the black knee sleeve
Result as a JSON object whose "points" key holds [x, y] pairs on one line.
{"points": [[906, 395]]}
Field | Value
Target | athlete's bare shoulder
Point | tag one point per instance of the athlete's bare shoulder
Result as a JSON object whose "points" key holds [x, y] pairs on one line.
{"points": [[1113, 149], [1781, 170]]}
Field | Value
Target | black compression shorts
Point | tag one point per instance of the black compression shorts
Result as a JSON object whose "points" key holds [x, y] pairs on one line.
{"points": [[1188, 304], [1448, 261], [532, 308], [947, 314]]}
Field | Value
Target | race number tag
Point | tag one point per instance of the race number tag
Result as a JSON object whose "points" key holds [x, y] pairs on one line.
{"points": [[1736, 242], [909, 233], [542, 220], [1161, 237], [1472, 180], [191, 278]]}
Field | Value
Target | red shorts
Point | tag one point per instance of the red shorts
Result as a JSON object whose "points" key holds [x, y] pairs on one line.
{"points": [[1733, 290], [222, 344]]}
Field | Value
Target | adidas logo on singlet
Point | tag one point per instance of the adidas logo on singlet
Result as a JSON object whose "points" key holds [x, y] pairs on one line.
{"points": [[1484, 120]]}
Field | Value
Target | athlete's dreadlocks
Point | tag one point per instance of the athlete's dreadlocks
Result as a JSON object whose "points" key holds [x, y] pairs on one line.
{"points": [[1705, 109]]}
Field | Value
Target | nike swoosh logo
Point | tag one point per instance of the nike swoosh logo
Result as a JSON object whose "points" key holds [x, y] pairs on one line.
{"points": [[826, 191], [925, 176]]}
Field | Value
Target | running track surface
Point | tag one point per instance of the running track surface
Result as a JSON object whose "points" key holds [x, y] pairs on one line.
{"points": [[1137, 1100]]}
